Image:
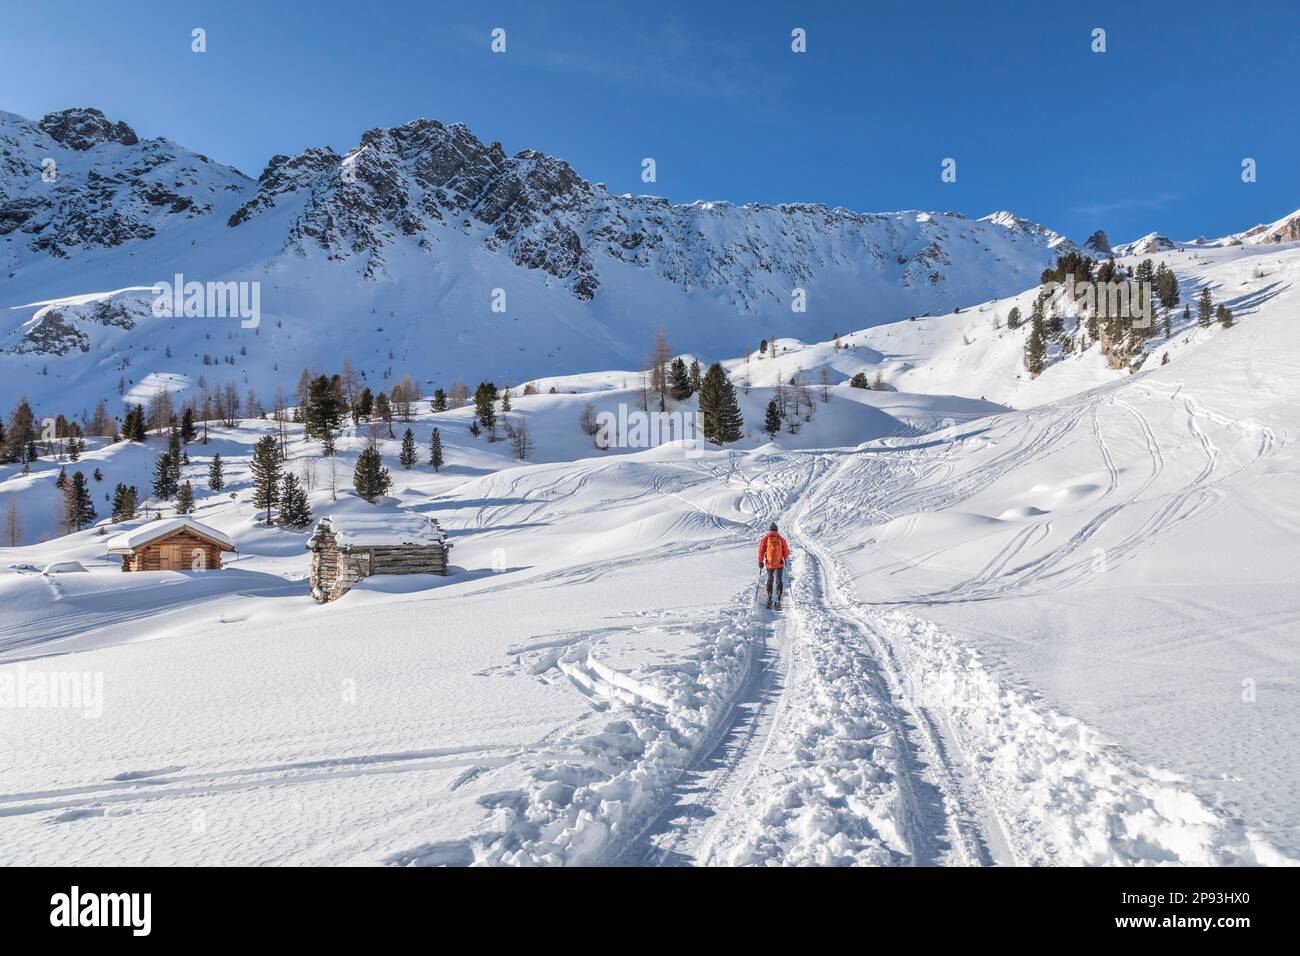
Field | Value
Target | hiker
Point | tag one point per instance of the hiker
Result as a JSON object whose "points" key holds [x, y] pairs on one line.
{"points": [[772, 552]]}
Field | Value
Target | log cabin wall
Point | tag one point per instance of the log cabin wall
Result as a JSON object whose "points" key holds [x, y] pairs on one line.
{"points": [[335, 572], [176, 552]]}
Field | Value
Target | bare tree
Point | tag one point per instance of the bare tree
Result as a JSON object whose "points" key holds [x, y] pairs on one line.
{"points": [[660, 358], [308, 469], [824, 381], [348, 381], [590, 427], [521, 441], [13, 529]]}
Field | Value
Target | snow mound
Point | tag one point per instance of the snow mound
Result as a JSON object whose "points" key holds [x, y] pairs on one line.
{"points": [[379, 529]]}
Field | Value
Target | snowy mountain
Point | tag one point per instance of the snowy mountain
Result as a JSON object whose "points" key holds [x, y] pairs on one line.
{"points": [[515, 266], [76, 181], [1149, 244]]}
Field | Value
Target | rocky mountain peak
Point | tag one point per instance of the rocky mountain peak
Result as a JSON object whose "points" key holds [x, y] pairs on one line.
{"points": [[1284, 230], [81, 128], [1098, 243]]}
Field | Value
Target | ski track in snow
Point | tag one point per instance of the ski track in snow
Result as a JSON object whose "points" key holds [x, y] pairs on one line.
{"points": [[838, 732]]}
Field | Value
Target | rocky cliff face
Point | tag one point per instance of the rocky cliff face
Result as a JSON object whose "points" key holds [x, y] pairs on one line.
{"points": [[422, 179], [76, 180]]}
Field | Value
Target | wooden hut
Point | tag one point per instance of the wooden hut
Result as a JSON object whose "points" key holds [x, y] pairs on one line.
{"points": [[175, 544], [348, 547]]}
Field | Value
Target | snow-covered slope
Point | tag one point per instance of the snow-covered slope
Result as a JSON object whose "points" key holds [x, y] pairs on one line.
{"points": [[1058, 635], [425, 250], [973, 353]]}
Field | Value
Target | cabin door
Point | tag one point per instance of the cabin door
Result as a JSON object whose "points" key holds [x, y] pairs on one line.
{"points": [[173, 558]]}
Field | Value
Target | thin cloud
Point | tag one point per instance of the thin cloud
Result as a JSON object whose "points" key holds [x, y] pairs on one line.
{"points": [[1127, 205]]}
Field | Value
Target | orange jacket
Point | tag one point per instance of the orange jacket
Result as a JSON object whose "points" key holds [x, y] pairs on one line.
{"points": [[780, 550]]}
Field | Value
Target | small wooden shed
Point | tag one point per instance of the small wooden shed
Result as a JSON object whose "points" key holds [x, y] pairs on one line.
{"points": [[348, 547], [174, 544]]}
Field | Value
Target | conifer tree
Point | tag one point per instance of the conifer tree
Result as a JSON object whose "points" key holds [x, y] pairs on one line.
{"points": [[1013, 318], [719, 410], [21, 432], [695, 378], [859, 381], [141, 431], [188, 431], [485, 407], [266, 475], [435, 451], [164, 483], [78, 507], [364, 406], [439, 402], [1205, 308], [505, 400], [370, 477], [1036, 348], [324, 411], [679, 380], [407, 456], [295, 510], [1224, 315], [772, 420], [185, 498], [216, 477], [125, 499], [383, 410], [176, 457]]}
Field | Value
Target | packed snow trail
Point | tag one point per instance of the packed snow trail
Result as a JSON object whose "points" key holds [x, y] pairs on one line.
{"points": [[823, 764], [868, 736]]}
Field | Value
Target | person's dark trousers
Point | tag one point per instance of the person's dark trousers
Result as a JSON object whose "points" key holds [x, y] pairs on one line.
{"points": [[780, 586]]}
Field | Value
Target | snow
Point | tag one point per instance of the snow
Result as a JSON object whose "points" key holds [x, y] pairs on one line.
{"points": [[153, 530], [1029, 622], [373, 529]]}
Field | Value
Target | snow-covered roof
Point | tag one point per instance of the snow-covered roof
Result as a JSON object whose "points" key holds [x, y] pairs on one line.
{"points": [[153, 530], [353, 530]]}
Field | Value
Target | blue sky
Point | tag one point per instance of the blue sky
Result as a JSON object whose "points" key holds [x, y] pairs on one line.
{"points": [[1148, 135]]}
